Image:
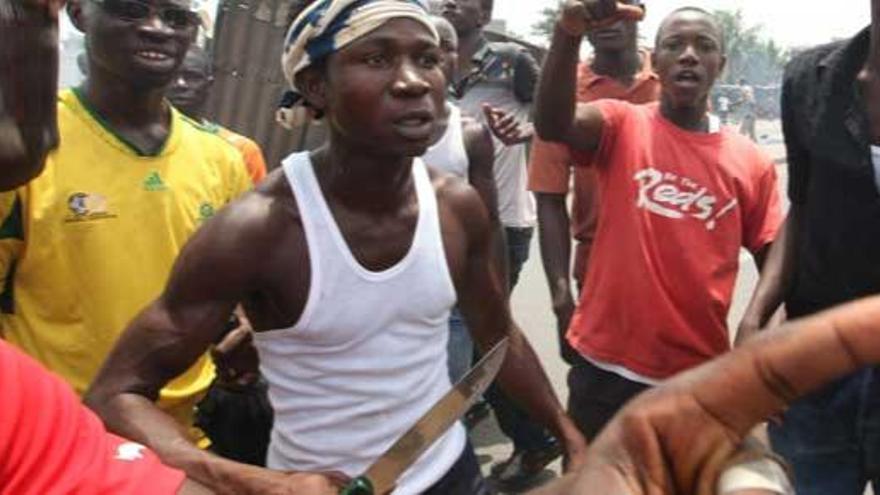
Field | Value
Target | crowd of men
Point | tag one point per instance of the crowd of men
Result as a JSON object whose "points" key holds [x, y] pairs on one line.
{"points": [[237, 331]]}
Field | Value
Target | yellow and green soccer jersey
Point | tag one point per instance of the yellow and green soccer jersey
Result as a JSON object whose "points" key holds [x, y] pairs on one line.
{"points": [[91, 241]]}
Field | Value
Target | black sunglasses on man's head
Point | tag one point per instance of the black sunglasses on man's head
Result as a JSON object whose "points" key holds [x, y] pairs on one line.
{"points": [[173, 16]]}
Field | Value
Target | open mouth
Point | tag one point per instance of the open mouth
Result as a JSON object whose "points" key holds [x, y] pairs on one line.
{"points": [[415, 125], [153, 55], [688, 77]]}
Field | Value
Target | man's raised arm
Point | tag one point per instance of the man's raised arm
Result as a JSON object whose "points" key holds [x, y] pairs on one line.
{"points": [[28, 87], [557, 115]]}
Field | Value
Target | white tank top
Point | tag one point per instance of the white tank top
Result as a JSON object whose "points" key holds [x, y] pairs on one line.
{"points": [[449, 154], [367, 358]]}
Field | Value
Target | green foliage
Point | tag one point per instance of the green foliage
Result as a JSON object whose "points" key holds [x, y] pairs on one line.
{"points": [[546, 22], [750, 54]]}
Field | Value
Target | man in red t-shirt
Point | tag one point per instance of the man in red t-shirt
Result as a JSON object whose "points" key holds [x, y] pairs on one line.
{"points": [[679, 198], [619, 70]]}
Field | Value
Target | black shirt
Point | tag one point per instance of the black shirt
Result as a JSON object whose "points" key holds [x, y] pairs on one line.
{"points": [[831, 178]]}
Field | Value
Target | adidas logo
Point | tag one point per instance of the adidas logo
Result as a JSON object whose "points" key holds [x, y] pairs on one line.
{"points": [[154, 182]]}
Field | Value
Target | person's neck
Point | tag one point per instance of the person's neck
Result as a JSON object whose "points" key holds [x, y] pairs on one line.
{"points": [[621, 66], [693, 118], [122, 104], [196, 113], [363, 180], [468, 45]]}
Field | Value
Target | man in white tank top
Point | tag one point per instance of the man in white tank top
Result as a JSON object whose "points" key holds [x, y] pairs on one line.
{"points": [[347, 261]]}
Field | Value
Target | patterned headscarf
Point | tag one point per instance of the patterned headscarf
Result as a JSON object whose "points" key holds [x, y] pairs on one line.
{"points": [[327, 26]]}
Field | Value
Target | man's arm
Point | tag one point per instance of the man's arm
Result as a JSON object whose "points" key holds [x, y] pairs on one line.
{"points": [[554, 236], [171, 334], [680, 436], [483, 303], [28, 88], [558, 117], [777, 272], [481, 175]]}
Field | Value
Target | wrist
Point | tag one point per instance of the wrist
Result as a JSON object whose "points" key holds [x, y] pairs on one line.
{"points": [[568, 30]]}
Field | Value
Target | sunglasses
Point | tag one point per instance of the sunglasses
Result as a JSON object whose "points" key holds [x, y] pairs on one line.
{"points": [[134, 10]]}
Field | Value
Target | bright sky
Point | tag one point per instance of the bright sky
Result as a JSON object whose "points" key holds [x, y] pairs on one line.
{"points": [[789, 22]]}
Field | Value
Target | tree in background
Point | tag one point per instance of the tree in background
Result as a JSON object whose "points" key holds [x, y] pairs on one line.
{"points": [[750, 54], [546, 22]]}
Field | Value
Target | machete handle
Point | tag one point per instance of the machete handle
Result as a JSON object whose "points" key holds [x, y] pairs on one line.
{"points": [[358, 486]]}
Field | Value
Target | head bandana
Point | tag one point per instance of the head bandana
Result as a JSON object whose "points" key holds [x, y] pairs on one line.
{"points": [[327, 26]]}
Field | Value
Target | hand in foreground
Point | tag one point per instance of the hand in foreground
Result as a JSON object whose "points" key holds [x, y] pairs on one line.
{"points": [[252, 480], [678, 438], [580, 16], [238, 363], [505, 126]]}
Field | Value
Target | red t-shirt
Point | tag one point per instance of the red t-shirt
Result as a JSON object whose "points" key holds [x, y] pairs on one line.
{"points": [[51, 444], [676, 208]]}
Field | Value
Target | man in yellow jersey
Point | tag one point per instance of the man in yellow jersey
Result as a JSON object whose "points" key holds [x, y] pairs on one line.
{"points": [[88, 243], [189, 94]]}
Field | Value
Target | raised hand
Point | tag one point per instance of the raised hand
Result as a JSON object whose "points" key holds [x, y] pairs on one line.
{"points": [[580, 16], [28, 86], [679, 437], [505, 126]]}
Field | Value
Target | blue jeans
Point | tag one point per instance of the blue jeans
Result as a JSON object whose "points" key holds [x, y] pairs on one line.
{"points": [[460, 348], [832, 437]]}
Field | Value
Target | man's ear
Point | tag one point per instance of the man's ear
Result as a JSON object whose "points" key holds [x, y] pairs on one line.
{"points": [[77, 14], [312, 83]]}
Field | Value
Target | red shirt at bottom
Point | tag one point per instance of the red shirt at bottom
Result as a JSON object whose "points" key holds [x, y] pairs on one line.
{"points": [[51, 444]]}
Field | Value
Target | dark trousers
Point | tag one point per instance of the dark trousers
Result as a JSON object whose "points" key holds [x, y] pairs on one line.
{"points": [[463, 478], [596, 395], [832, 438], [513, 421]]}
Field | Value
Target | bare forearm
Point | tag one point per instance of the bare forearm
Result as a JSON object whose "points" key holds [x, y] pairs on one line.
{"points": [[137, 418], [555, 105], [523, 379], [555, 241], [28, 87], [776, 275]]}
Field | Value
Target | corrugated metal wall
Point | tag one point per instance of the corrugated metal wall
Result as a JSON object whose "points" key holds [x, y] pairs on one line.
{"points": [[248, 80]]}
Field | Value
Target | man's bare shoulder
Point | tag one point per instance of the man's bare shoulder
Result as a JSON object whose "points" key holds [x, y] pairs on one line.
{"points": [[477, 139], [460, 197], [262, 217]]}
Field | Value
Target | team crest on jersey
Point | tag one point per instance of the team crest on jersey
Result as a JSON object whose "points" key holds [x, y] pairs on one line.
{"points": [[87, 206]]}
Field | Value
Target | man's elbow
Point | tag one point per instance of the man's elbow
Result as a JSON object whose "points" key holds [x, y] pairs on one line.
{"points": [[548, 129]]}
